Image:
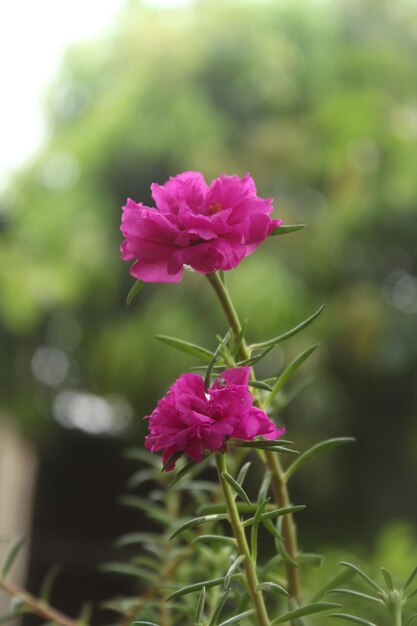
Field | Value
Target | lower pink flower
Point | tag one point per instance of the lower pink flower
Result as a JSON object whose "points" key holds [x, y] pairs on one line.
{"points": [[191, 419]]}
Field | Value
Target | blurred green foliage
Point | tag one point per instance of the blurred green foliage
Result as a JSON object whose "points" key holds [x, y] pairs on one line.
{"points": [[319, 102]]}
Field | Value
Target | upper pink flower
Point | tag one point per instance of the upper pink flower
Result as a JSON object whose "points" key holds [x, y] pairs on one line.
{"points": [[208, 227], [191, 419]]}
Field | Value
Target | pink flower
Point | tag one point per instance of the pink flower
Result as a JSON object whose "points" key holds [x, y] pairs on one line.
{"points": [[208, 227], [191, 419]]}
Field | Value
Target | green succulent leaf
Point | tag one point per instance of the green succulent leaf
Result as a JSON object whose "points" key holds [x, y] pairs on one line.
{"points": [[255, 529], [242, 472], [219, 608], [410, 619], [333, 582], [141, 622], [214, 582], [172, 459], [240, 338], [229, 541], [388, 578], [410, 579], [198, 521], [352, 618], [261, 444], [187, 347], [143, 455], [183, 472], [310, 558], [12, 556], [259, 384], [242, 507], [140, 477], [290, 371], [356, 594], [237, 618], [263, 489], [130, 539], [286, 229], [238, 489], [137, 286], [275, 587], [232, 569], [276, 513], [128, 569], [200, 607], [308, 609], [286, 556], [48, 582], [318, 448], [290, 333], [362, 574], [213, 360], [152, 511]]}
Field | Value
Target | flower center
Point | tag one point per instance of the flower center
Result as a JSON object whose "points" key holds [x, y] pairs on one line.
{"points": [[215, 208]]}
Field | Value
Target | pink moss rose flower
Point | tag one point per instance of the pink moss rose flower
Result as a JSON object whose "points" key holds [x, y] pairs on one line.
{"points": [[191, 419], [208, 227]]}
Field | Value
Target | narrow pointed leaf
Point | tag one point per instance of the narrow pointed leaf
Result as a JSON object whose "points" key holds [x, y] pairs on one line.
{"points": [[187, 347], [212, 362], [219, 608], [242, 507], [277, 513], [410, 579], [388, 578], [196, 587], [183, 472], [318, 448], [362, 574], [253, 360], [356, 594], [410, 595], [240, 338], [127, 569], [172, 459], [289, 371], [286, 556], [258, 384], [11, 557], [197, 521], [411, 619], [48, 582], [311, 558], [272, 530], [143, 455], [200, 607], [141, 622], [255, 529], [289, 333], [137, 286], [131, 539], [237, 618], [229, 541], [140, 477], [232, 569], [263, 490], [242, 473], [152, 511], [268, 586], [286, 229], [352, 618], [258, 443], [309, 609], [335, 581], [238, 489]]}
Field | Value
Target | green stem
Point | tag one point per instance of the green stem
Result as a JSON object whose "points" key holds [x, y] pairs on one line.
{"points": [[239, 533], [279, 486]]}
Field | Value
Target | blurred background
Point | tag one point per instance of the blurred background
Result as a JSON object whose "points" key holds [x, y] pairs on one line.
{"points": [[318, 101]]}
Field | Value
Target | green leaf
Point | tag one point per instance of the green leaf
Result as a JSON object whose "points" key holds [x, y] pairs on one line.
{"points": [[410, 579], [127, 569], [410, 619], [139, 477], [289, 333], [410, 595], [213, 360], [236, 487], [229, 541], [48, 582], [214, 582], [234, 566], [286, 229], [255, 528], [263, 489], [242, 507], [172, 459], [198, 521], [253, 360], [141, 622], [242, 473], [388, 578], [286, 556], [310, 558], [200, 607], [258, 384], [11, 557], [237, 618], [152, 511], [219, 608], [141, 454], [352, 618], [187, 347], [314, 451], [268, 586], [335, 581], [272, 529], [131, 539], [356, 594], [240, 338], [276, 513], [362, 574], [260, 444], [183, 472], [137, 286], [289, 371], [308, 609]]}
